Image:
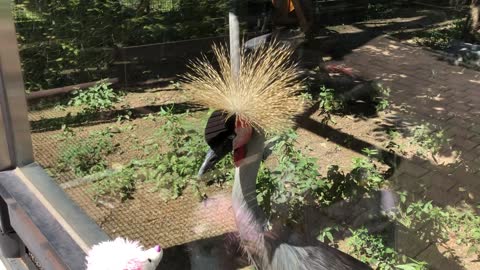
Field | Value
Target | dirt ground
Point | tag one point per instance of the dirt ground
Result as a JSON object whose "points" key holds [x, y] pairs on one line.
{"points": [[186, 226]]}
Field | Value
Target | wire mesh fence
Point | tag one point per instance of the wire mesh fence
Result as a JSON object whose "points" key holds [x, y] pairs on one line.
{"points": [[64, 42], [155, 5]]}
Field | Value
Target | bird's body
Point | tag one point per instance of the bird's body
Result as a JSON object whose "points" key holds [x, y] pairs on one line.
{"points": [[267, 250]]}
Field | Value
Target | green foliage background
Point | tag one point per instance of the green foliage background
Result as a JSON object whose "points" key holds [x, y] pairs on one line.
{"points": [[64, 42]]}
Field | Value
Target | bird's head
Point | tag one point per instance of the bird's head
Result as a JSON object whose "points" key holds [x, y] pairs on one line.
{"points": [[225, 135], [262, 98]]}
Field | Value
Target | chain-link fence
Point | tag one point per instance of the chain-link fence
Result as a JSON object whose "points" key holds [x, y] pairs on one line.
{"points": [[65, 42], [154, 5]]}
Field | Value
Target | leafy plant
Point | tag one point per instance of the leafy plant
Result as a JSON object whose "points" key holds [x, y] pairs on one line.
{"points": [[382, 94], [67, 133], [413, 265], [327, 234], [366, 173], [269, 191], [364, 177], [22, 13], [173, 169], [294, 168], [372, 249], [436, 224], [466, 224], [378, 10], [391, 144], [441, 38], [328, 101], [429, 138], [292, 182], [420, 213], [85, 155], [119, 183], [97, 98]]}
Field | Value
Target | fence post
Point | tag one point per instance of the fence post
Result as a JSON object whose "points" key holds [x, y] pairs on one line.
{"points": [[234, 32]]}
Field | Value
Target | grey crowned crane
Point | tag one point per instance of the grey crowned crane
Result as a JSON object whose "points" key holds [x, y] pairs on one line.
{"points": [[263, 98]]}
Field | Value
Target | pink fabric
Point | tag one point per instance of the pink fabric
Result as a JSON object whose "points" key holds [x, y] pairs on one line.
{"points": [[134, 264]]}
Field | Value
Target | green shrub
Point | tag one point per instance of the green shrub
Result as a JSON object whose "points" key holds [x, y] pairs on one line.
{"points": [[173, 157], [382, 94], [364, 177], [436, 224], [97, 98], [326, 235], [373, 250], [379, 11], [329, 103], [365, 173], [441, 38], [294, 178], [429, 138], [466, 224], [174, 169], [117, 184], [85, 155]]}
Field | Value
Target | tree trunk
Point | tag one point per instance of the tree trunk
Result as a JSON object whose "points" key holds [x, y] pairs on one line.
{"points": [[143, 7], [473, 22]]}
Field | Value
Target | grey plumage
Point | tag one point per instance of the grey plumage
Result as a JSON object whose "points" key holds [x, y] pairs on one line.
{"points": [[267, 251]]}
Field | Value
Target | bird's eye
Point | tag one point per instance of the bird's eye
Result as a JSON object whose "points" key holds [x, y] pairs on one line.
{"points": [[149, 260]]}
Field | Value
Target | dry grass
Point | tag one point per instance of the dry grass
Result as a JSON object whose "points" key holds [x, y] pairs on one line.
{"points": [[266, 93]]}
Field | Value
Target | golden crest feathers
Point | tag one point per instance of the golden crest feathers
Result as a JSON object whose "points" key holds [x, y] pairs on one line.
{"points": [[265, 93]]}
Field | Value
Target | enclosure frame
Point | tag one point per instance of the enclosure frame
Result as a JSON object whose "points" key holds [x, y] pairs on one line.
{"points": [[34, 211]]}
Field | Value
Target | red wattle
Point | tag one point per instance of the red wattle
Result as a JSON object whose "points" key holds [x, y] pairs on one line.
{"points": [[239, 154]]}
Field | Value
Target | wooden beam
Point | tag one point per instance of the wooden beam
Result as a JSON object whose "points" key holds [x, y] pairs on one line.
{"points": [[64, 90]]}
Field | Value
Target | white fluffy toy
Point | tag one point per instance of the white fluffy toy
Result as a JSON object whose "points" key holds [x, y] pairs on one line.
{"points": [[123, 254]]}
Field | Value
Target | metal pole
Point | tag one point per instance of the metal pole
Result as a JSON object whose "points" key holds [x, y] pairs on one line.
{"points": [[234, 31]]}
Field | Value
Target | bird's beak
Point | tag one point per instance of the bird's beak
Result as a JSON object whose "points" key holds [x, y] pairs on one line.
{"points": [[210, 160], [213, 156]]}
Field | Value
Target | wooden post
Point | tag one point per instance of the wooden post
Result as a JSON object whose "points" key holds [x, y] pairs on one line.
{"points": [[302, 20], [234, 32], [475, 17], [471, 31]]}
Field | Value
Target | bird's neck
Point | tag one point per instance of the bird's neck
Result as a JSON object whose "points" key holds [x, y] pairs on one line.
{"points": [[249, 217]]}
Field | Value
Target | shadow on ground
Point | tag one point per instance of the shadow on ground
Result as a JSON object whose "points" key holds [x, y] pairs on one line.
{"points": [[90, 119]]}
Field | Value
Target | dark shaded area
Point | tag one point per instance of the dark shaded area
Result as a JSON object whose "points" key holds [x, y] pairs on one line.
{"points": [[344, 43], [91, 119], [74, 42], [221, 252]]}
